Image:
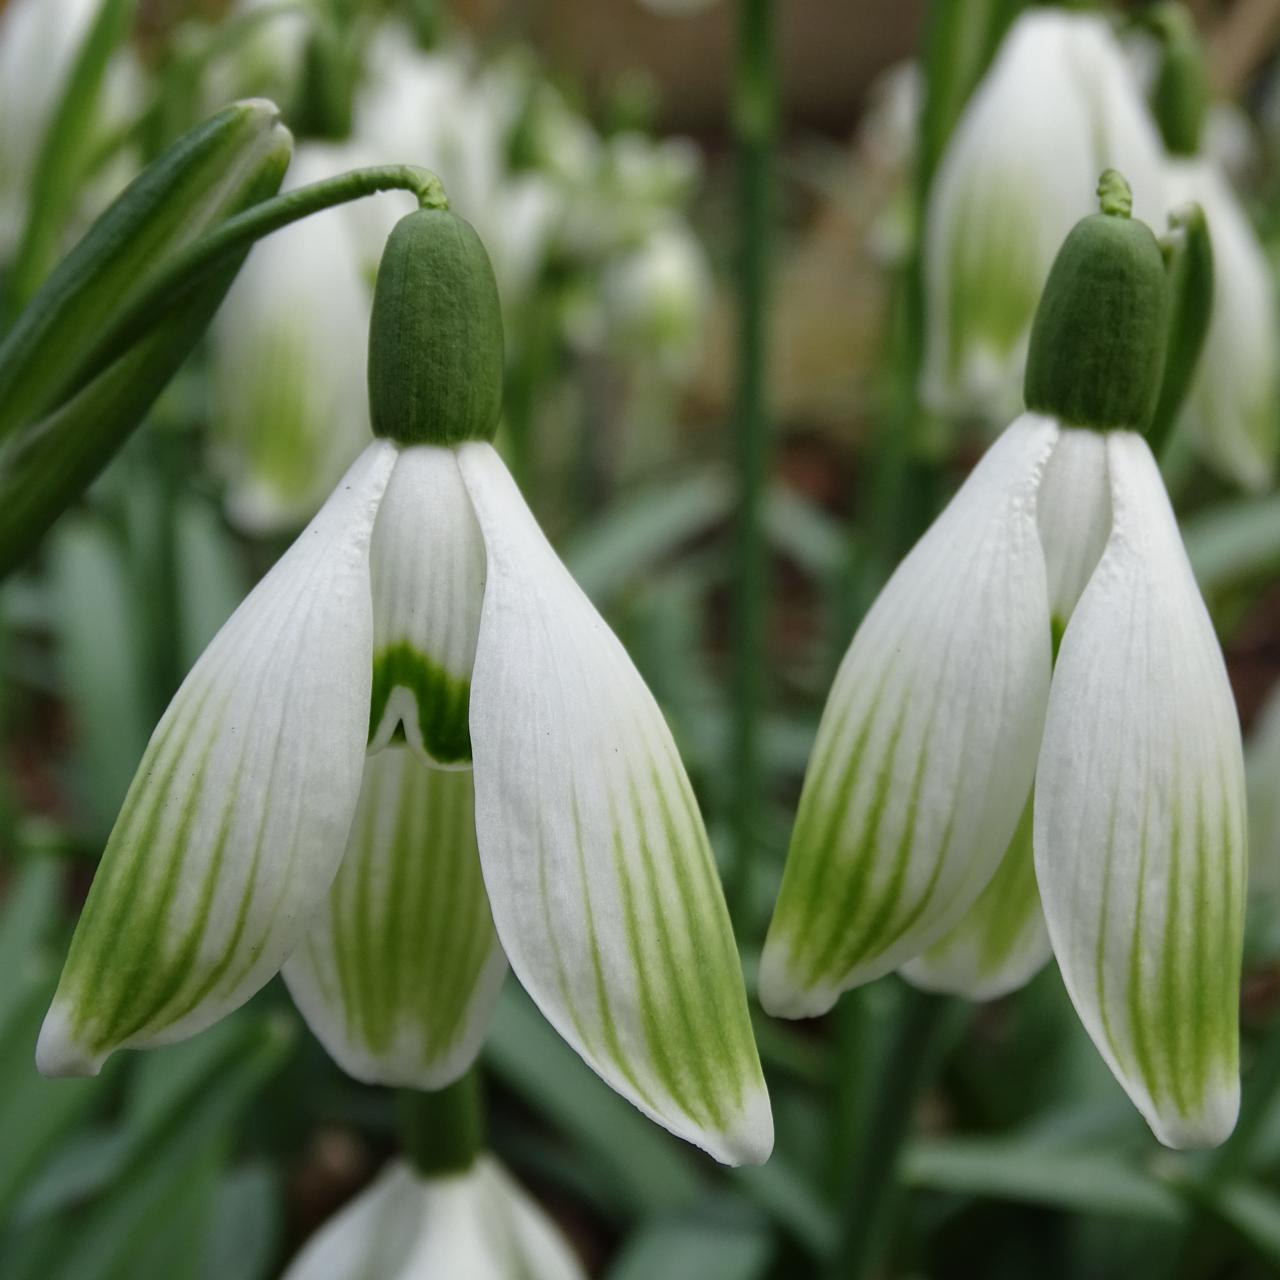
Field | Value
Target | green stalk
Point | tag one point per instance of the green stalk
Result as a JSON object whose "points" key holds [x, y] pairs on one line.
{"points": [[754, 124], [442, 1132], [193, 264], [906, 1066]]}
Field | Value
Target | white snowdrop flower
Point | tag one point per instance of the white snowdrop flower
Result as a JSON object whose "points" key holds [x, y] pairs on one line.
{"points": [[479, 1224], [961, 777], [288, 368], [1057, 106], [1234, 403], [424, 614]]}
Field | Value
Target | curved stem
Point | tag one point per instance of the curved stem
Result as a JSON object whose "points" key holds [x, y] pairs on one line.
{"points": [[442, 1132], [192, 264], [754, 119]]}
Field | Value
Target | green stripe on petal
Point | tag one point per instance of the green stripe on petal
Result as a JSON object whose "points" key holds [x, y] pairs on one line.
{"points": [[234, 826], [1139, 820], [927, 745], [1002, 942], [428, 567], [604, 889], [400, 972]]}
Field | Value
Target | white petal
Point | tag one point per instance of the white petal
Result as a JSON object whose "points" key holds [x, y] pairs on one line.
{"points": [[603, 886], [1074, 514], [927, 745], [1139, 820], [1233, 402], [1002, 943], [399, 973], [234, 826], [289, 348], [479, 1225], [1055, 109], [428, 568]]}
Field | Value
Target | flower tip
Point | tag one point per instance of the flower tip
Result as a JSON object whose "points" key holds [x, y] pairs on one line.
{"points": [[1202, 1130], [750, 1140], [782, 996], [59, 1053]]}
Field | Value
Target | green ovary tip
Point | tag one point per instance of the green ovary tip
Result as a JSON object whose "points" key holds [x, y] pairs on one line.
{"points": [[1115, 198]]}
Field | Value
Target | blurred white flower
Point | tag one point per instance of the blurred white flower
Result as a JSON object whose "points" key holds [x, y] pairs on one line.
{"points": [[268, 61], [289, 349], [1056, 108], [476, 1225], [39, 42], [1233, 402], [657, 298], [440, 110]]}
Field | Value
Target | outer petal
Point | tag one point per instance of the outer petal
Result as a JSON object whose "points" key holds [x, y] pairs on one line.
{"points": [[603, 886], [234, 826], [927, 746], [289, 350], [400, 972], [480, 1225], [1139, 820], [428, 581], [1233, 404], [1002, 943]]}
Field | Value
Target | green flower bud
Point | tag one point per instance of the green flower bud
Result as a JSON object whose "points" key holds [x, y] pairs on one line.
{"points": [[1098, 340], [435, 340], [1180, 96]]}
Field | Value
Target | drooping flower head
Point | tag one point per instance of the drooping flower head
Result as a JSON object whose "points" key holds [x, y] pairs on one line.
{"points": [[417, 746], [1057, 107], [962, 775], [1233, 407]]}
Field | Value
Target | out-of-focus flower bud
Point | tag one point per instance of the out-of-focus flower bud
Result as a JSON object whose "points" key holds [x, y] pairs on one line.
{"points": [[289, 352], [1057, 107]]}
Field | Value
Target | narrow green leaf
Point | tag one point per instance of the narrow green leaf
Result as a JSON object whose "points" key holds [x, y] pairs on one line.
{"points": [[225, 164], [66, 149], [100, 654], [720, 1239], [1087, 1182]]}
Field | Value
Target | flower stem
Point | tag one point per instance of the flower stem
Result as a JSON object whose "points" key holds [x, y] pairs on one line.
{"points": [[192, 264], [442, 1132], [754, 123], [905, 1068]]}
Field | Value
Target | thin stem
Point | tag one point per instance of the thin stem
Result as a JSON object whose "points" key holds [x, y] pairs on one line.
{"points": [[192, 264], [754, 121], [442, 1132], [905, 1069]]}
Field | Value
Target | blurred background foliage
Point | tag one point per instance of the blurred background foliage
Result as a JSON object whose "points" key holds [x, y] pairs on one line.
{"points": [[593, 142]]}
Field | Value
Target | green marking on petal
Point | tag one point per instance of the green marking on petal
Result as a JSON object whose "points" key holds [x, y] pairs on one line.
{"points": [[443, 701]]}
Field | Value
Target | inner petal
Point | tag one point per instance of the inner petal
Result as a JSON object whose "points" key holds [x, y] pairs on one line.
{"points": [[427, 566], [1073, 511]]}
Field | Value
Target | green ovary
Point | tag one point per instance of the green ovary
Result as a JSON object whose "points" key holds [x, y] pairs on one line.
{"points": [[443, 701]]}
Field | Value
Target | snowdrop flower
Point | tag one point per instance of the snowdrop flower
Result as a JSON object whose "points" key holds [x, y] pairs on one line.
{"points": [[657, 298], [1232, 406], [289, 347], [478, 1224], [1057, 106], [919, 841], [423, 604], [1234, 398]]}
